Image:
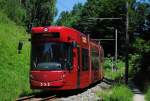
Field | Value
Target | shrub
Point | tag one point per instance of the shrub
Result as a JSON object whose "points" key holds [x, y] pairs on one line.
{"points": [[113, 74], [121, 93]]}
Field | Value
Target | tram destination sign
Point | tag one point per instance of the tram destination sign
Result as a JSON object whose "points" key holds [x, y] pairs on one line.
{"points": [[43, 36]]}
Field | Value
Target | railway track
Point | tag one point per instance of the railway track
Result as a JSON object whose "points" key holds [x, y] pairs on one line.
{"points": [[106, 83], [36, 98]]}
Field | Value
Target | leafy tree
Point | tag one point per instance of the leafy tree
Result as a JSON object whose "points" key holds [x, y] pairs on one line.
{"points": [[26, 12], [70, 18], [40, 12], [65, 19], [141, 46], [13, 10]]}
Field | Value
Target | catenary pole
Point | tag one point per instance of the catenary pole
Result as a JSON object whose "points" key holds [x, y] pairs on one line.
{"points": [[116, 46]]}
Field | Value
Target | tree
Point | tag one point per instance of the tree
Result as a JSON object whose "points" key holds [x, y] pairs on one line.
{"points": [[13, 10], [141, 46], [40, 12], [26, 12], [70, 18], [102, 28]]}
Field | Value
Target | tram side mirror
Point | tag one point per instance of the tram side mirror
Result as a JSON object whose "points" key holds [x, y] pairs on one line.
{"points": [[20, 45], [74, 44]]}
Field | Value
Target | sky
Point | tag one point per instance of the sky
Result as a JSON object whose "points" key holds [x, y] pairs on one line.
{"points": [[66, 5], [143, 0]]}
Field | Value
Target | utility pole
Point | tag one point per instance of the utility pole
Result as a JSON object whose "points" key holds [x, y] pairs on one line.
{"points": [[116, 45], [127, 45]]}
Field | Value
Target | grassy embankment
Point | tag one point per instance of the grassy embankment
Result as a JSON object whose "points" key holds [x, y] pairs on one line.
{"points": [[13, 67]]}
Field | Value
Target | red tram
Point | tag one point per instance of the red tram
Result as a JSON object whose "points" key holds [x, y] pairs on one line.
{"points": [[62, 58]]}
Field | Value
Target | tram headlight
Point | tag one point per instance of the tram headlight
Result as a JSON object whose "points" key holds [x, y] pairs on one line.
{"points": [[63, 76]]}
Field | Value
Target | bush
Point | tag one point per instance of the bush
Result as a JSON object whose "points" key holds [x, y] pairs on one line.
{"points": [[118, 73], [117, 93], [121, 93]]}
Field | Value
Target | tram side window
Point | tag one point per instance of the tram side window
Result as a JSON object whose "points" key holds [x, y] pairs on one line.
{"points": [[95, 60], [85, 58]]}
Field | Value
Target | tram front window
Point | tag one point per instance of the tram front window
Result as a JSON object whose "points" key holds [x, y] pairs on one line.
{"points": [[51, 56]]}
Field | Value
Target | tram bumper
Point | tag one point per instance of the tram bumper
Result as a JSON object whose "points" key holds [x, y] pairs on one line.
{"points": [[41, 79]]}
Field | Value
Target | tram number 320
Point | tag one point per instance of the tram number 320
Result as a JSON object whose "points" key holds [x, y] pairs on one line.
{"points": [[45, 84]]}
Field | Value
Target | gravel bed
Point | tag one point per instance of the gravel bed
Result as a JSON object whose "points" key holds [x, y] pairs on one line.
{"points": [[87, 95]]}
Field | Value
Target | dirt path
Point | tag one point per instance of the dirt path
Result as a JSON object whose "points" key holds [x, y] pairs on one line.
{"points": [[138, 95]]}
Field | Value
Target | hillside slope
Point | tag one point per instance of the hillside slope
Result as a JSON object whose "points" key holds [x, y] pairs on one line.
{"points": [[13, 67]]}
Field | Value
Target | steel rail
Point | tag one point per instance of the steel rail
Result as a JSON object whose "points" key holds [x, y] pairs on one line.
{"points": [[25, 98], [47, 98], [32, 96]]}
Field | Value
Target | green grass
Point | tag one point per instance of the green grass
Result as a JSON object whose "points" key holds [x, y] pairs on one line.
{"points": [[117, 93], [113, 74], [147, 95], [13, 67]]}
